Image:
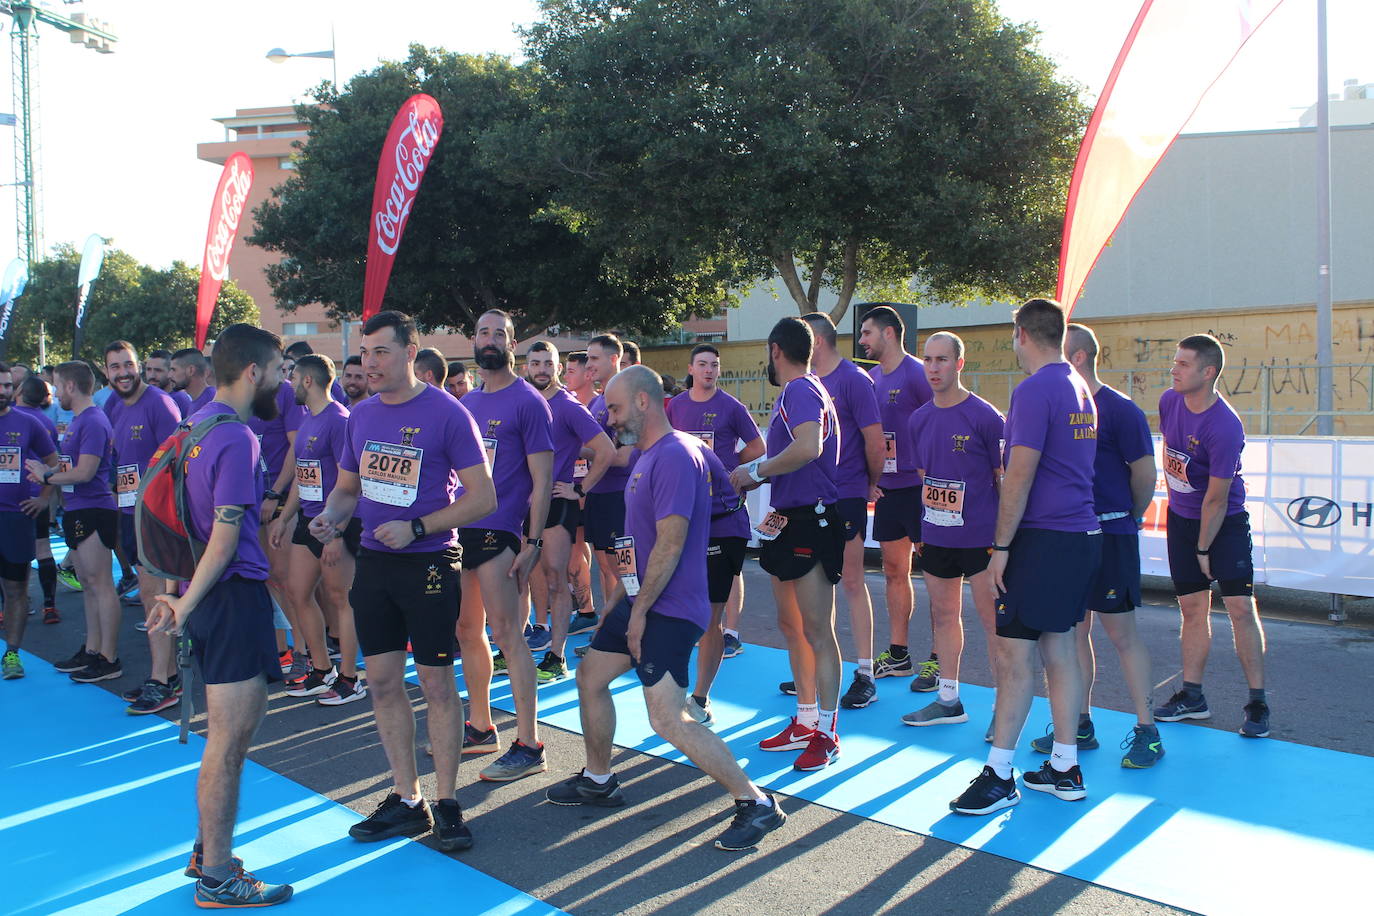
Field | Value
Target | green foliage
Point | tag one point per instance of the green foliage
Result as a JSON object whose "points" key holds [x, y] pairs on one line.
{"points": [[148, 307]]}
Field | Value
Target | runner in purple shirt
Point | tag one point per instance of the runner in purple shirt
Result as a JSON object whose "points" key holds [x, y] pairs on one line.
{"points": [[802, 538], [603, 517], [859, 466], [189, 374], [1209, 529], [658, 612], [354, 382], [157, 374], [514, 422], [414, 471], [899, 382], [35, 399]]}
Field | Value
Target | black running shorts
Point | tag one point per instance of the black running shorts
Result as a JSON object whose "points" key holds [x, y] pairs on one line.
{"points": [[401, 598], [854, 512], [483, 544], [898, 515], [79, 524], [603, 519], [724, 561], [954, 562], [806, 540], [565, 513], [1232, 557], [16, 546]]}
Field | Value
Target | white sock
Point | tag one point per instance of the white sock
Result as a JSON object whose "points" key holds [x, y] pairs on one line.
{"points": [[866, 667], [829, 719], [949, 691], [734, 633], [759, 798], [599, 778], [999, 758], [808, 715], [1064, 757], [413, 803]]}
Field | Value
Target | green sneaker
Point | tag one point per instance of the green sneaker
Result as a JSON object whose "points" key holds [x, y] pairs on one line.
{"points": [[498, 665], [551, 669], [1143, 748], [928, 680], [68, 577], [11, 667], [1087, 738]]}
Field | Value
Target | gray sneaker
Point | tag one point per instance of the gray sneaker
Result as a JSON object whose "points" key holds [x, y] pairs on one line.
{"points": [[937, 713], [518, 761], [1087, 738], [582, 790]]}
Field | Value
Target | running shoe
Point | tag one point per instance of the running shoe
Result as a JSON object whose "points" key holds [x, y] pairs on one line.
{"points": [[700, 711], [449, 830], [581, 623], [479, 742], [80, 660], [539, 639], [821, 751], [136, 691], [885, 665], [861, 692], [287, 661], [11, 668], [99, 670], [193, 866], [551, 668], [126, 584], [1068, 786], [332, 647], [752, 820], [937, 713], [155, 697], [498, 665], [241, 890], [393, 817], [583, 790], [1087, 738], [788, 687], [987, 793], [733, 647], [67, 576], [50, 615], [794, 737], [1182, 706], [133, 599], [315, 683], [518, 761], [929, 678], [1143, 748], [1256, 723], [344, 690]]}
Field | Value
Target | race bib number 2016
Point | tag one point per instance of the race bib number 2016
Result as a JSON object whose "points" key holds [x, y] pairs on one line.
{"points": [[10, 464], [944, 500], [390, 473]]}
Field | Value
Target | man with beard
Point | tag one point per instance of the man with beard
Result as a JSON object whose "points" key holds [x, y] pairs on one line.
{"points": [[22, 439], [411, 451], [35, 399], [658, 612], [226, 612], [514, 422], [578, 382], [431, 367], [190, 373], [573, 432], [604, 509], [157, 372], [142, 416], [456, 383], [354, 382], [803, 534]]}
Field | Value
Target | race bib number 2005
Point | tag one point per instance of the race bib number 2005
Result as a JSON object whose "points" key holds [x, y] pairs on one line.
{"points": [[391, 473], [126, 484]]}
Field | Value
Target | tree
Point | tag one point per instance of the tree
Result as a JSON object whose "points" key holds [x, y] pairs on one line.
{"points": [[838, 143], [144, 305], [474, 240]]}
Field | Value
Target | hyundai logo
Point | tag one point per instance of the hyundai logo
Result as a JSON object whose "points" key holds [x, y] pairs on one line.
{"points": [[1314, 511]]}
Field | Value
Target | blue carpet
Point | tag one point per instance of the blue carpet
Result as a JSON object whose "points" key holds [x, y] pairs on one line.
{"points": [[1221, 825], [100, 814]]}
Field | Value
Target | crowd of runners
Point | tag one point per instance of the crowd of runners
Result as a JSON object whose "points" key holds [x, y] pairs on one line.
{"points": [[409, 510]]}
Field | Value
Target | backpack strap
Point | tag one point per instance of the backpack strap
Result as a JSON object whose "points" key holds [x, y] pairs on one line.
{"points": [[187, 684]]}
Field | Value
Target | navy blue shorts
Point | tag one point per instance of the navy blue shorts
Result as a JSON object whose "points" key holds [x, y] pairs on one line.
{"points": [[854, 511], [898, 515], [128, 537], [16, 546], [231, 633], [603, 519], [1232, 557], [666, 647], [1117, 586], [1049, 574]]}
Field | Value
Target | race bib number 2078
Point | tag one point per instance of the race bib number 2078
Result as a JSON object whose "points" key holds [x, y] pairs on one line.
{"points": [[390, 473]]}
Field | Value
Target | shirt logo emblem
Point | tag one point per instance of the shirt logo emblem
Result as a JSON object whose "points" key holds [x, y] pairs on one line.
{"points": [[491, 428], [892, 395], [1193, 443], [408, 434], [960, 442], [434, 583], [136, 432]]}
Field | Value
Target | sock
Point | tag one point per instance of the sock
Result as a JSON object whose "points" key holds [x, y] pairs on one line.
{"points": [[763, 801], [700, 700], [1064, 757], [866, 667], [215, 875], [412, 804], [829, 719], [1191, 689], [933, 656], [898, 653], [734, 633], [808, 716], [1257, 693], [47, 577], [1085, 720], [540, 626], [999, 758], [599, 778], [949, 691]]}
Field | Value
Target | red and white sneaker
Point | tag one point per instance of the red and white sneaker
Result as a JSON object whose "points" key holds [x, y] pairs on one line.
{"points": [[792, 738], [819, 754]]}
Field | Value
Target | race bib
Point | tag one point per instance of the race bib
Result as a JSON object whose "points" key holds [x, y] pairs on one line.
{"points": [[580, 468], [626, 566], [61, 431], [64, 464], [490, 445], [126, 485], [889, 453], [391, 473], [1176, 471], [9, 464], [771, 526], [309, 481], [944, 500], [707, 436]]}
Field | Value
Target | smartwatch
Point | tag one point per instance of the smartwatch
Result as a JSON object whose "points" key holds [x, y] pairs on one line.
{"points": [[753, 469], [1001, 548], [536, 543], [417, 528], [48, 473], [271, 494], [577, 488]]}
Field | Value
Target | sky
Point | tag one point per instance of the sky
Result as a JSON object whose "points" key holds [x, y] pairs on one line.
{"points": [[118, 132]]}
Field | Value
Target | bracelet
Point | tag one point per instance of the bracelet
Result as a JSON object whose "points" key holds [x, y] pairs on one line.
{"points": [[1204, 553], [1003, 549]]}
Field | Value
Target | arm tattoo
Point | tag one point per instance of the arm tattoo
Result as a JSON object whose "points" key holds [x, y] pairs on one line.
{"points": [[229, 515]]}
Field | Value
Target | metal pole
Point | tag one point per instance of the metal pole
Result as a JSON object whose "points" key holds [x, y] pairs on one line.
{"points": [[1325, 379]]}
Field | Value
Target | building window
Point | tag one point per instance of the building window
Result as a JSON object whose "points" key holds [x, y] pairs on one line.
{"points": [[286, 163], [299, 328]]}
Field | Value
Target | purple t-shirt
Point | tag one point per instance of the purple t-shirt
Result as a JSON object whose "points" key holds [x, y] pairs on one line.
{"points": [[226, 470], [513, 423], [139, 428], [50, 428], [615, 478], [670, 478], [88, 434], [408, 457], [856, 404], [21, 437], [1053, 413], [720, 421], [272, 433], [573, 427], [960, 450], [205, 397], [1198, 446], [729, 515], [900, 395], [322, 438], [804, 400], [183, 402], [1123, 436]]}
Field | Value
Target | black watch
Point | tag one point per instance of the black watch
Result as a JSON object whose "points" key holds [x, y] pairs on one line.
{"points": [[1000, 548], [536, 543], [417, 528], [48, 474], [577, 488], [271, 494]]}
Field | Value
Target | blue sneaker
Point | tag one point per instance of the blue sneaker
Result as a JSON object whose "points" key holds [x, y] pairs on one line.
{"points": [[1143, 748], [1086, 734], [241, 890], [1256, 720], [518, 761], [1182, 706], [539, 639]]}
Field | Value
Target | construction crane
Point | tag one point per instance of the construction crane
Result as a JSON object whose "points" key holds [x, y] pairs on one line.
{"points": [[81, 29]]}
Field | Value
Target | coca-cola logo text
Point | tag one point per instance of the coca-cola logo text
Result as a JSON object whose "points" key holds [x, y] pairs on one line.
{"points": [[233, 196], [414, 148]]}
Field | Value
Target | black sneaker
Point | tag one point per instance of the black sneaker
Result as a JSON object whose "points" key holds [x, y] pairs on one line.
{"points": [[1256, 723], [788, 687], [317, 682], [80, 660], [98, 670], [136, 691], [581, 623], [156, 696], [986, 794], [476, 741], [581, 790], [453, 835], [393, 817], [860, 693], [1068, 786], [752, 820], [126, 584]]}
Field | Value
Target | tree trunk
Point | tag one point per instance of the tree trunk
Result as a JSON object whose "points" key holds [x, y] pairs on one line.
{"points": [[786, 266], [848, 280]]}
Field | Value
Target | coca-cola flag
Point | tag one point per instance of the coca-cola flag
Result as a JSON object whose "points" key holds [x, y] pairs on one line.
{"points": [[406, 154], [231, 199], [92, 257], [16, 277]]}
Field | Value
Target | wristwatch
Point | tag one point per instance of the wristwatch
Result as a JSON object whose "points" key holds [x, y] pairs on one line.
{"points": [[417, 528], [753, 469], [999, 547], [48, 473], [536, 543], [271, 494], [577, 488]]}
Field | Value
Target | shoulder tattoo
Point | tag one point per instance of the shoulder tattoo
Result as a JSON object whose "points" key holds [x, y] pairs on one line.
{"points": [[229, 515]]}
